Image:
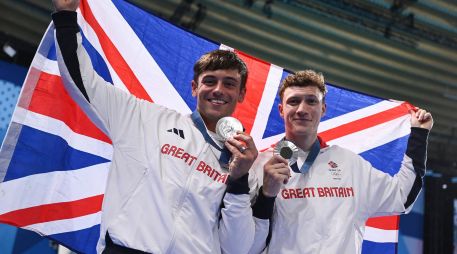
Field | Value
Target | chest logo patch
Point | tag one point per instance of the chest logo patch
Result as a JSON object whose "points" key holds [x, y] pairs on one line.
{"points": [[334, 171], [332, 164]]}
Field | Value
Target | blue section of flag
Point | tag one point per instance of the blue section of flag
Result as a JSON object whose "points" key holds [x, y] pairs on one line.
{"points": [[174, 49], [369, 247], [52, 55], [40, 152], [81, 241], [344, 101], [394, 151], [97, 60]]}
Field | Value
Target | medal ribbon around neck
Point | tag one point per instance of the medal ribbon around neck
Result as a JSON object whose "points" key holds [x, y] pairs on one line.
{"points": [[198, 121]]}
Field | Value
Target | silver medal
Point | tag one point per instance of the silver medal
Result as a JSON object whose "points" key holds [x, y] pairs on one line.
{"points": [[227, 127], [287, 150]]}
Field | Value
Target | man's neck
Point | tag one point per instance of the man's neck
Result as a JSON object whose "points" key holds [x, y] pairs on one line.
{"points": [[304, 142], [210, 125]]}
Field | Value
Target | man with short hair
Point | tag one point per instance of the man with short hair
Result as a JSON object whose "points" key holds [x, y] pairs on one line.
{"points": [[165, 191], [326, 196]]}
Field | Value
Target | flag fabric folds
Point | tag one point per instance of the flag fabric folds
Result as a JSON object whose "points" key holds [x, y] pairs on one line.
{"points": [[54, 161]]}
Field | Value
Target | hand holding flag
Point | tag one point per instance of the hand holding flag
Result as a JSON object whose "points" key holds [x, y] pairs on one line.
{"points": [[421, 118], [65, 5]]}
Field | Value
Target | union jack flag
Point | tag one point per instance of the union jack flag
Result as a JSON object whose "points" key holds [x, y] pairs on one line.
{"points": [[54, 161]]}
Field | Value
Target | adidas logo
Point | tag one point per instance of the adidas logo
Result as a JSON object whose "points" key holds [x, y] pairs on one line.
{"points": [[177, 132]]}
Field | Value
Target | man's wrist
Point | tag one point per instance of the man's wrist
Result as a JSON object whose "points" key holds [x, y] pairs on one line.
{"points": [[263, 206], [235, 175], [267, 193], [238, 185]]}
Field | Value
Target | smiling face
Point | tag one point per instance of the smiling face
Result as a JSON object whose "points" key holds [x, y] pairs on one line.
{"points": [[302, 108], [217, 94]]}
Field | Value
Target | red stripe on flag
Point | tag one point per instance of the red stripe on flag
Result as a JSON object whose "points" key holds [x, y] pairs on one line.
{"points": [[258, 73], [52, 212], [113, 56], [51, 99], [365, 123], [386, 223]]}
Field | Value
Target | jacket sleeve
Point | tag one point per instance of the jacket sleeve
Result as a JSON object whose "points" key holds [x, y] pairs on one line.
{"points": [[236, 227], [262, 208], [113, 108], [389, 195], [262, 214], [262, 232]]}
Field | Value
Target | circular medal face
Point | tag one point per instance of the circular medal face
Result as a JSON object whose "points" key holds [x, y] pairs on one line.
{"points": [[287, 150], [227, 127]]}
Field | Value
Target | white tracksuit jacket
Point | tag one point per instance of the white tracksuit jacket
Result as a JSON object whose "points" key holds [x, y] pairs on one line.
{"points": [[165, 185], [325, 210]]}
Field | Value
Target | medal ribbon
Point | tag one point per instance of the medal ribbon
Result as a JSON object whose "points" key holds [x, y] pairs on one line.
{"points": [[312, 155], [198, 121]]}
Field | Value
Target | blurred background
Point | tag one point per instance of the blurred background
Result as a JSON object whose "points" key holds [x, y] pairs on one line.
{"points": [[397, 49]]}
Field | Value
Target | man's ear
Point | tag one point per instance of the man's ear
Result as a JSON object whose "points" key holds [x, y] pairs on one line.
{"points": [[324, 109], [242, 95], [194, 88], [281, 110]]}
